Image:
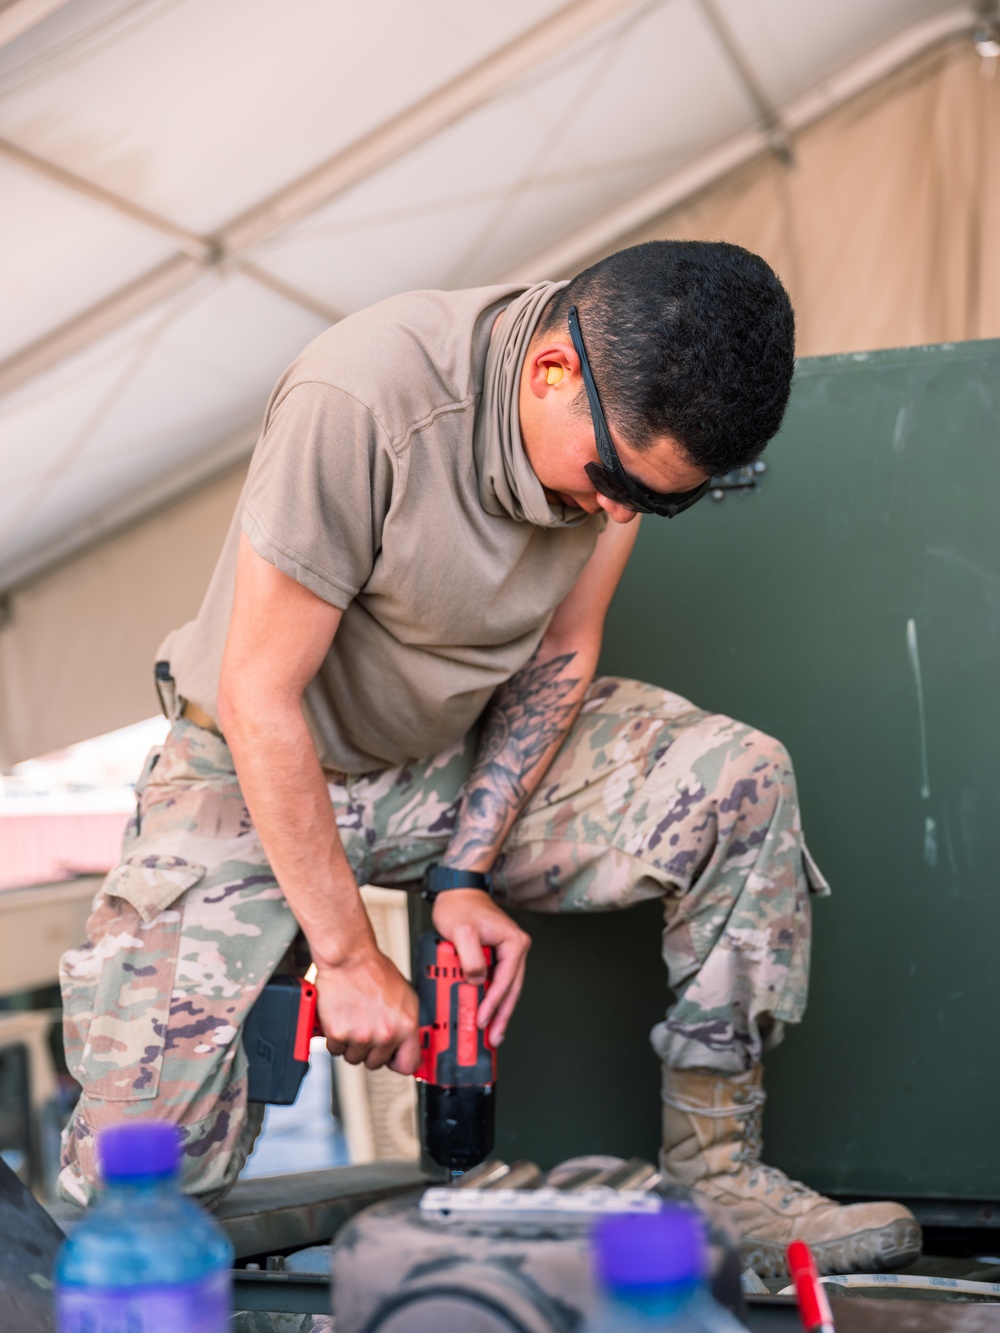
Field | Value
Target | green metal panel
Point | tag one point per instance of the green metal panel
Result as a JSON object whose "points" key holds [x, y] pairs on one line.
{"points": [[850, 606]]}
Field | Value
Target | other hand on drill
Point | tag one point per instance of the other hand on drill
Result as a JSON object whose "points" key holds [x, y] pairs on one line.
{"points": [[470, 920]]}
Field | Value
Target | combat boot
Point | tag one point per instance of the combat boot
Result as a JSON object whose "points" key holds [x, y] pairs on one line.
{"points": [[712, 1144]]}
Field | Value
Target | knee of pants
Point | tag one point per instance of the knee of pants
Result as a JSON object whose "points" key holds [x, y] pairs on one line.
{"points": [[213, 1148], [745, 839], [768, 746], [759, 774]]}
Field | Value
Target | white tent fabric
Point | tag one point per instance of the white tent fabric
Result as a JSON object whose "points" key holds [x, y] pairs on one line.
{"points": [[885, 229], [76, 655], [194, 188]]}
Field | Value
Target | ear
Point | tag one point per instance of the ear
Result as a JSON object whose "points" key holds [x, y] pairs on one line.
{"points": [[552, 367]]}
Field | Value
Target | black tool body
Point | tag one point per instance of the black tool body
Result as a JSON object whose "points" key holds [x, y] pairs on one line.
{"points": [[457, 1074]]}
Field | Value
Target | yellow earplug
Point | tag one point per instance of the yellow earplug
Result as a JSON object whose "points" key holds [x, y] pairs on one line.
{"points": [[553, 375]]}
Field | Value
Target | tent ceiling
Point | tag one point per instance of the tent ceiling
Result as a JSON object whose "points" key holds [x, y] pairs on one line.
{"points": [[194, 188]]}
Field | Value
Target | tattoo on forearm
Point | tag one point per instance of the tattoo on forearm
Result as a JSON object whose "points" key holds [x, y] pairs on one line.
{"points": [[528, 714]]}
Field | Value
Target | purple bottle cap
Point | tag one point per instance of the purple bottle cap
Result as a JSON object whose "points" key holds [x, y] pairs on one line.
{"points": [[146, 1148], [650, 1249]]}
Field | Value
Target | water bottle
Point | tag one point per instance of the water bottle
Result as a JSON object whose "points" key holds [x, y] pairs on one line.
{"points": [[650, 1268], [144, 1259]]}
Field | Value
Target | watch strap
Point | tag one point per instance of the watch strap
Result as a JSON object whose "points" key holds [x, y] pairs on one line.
{"points": [[439, 879]]}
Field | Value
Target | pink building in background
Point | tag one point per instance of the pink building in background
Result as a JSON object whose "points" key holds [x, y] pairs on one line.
{"points": [[40, 847]]}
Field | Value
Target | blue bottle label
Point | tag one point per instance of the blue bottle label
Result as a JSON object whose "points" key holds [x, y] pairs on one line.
{"points": [[190, 1307]]}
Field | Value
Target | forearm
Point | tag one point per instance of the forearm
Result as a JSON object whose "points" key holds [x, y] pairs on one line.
{"points": [[287, 797], [524, 726]]}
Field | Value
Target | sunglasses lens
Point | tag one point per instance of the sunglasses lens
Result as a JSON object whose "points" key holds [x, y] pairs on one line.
{"points": [[603, 481], [668, 506]]}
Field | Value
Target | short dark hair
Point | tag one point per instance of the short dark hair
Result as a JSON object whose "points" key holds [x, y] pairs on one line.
{"points": [[690, 339]]}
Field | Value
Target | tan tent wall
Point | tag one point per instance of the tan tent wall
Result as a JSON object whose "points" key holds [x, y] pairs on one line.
{"points": [[885, 227], [885, 230], [77, 647]]}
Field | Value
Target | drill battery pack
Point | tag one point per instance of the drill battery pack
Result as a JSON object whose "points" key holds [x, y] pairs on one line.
{"points": [[276, 1040]]}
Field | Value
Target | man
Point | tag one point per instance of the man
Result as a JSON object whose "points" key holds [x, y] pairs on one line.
{"points": [[398, 646]]}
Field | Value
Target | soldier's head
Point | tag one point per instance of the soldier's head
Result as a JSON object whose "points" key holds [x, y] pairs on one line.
{"points": [[679, 353]]}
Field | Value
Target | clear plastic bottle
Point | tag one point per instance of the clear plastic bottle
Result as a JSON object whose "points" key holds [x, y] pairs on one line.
{"points": [[650, 1268], [144, 1259]]}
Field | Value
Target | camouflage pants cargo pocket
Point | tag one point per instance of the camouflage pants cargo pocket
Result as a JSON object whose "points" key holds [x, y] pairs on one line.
{"points": [[117, 990], [185, 933]]}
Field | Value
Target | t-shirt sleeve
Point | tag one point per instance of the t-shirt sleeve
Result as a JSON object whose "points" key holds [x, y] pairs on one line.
{"points": [[319, 488]]}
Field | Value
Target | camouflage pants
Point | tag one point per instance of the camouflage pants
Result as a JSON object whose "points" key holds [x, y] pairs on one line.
{"points": [[649, 797]]}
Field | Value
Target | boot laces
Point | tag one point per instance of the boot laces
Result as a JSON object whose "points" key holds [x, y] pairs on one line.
{"points": [[753, 1106], [751, 1110]]}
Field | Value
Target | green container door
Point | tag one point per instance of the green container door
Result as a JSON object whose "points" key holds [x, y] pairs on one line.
{"points": [[849, 605]]}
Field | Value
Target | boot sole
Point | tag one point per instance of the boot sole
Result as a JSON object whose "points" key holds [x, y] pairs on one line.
{"points": [[877, 1251]]}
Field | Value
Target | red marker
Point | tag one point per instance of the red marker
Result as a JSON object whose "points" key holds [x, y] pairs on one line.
{"points": [[814, 1308]]}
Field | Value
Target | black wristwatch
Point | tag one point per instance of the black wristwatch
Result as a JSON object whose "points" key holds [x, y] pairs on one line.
{"points": [[439, 879]]}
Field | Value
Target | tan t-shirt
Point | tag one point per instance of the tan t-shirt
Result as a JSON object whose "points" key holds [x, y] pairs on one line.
{"points": [[363, 487]]}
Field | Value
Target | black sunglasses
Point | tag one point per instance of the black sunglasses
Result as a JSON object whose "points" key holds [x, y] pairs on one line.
{"points": [[608, 476]]}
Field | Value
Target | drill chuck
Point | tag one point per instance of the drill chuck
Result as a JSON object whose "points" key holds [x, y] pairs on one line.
{"points": [[457, 1124]]}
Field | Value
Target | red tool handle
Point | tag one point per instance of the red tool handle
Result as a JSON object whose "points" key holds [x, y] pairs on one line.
{"points": [[814, 1308], [306, 1026], [454, 1051]]}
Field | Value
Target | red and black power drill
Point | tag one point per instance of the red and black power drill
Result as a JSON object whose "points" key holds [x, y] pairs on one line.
{"points": [[457, 1073], [458, 1065]]}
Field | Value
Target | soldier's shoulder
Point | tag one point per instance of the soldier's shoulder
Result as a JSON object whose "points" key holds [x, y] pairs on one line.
{"points": [[404, 356]]}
